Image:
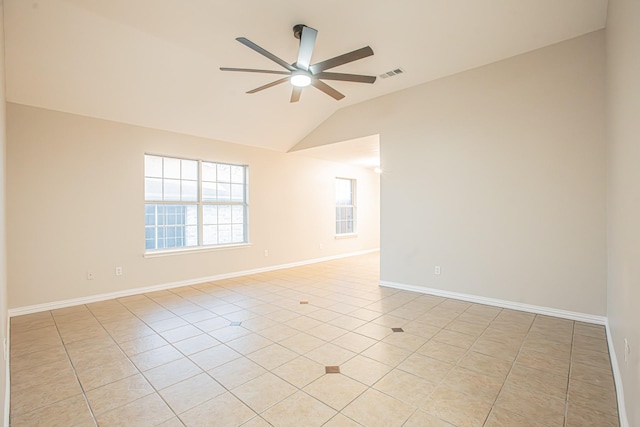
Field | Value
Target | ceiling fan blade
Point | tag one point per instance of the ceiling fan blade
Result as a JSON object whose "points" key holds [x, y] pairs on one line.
{"points": [[358, 78], [341, 59], [251, 70], [265, 53], [307, 42], [295, 94], [318, 84], [267, 86]]}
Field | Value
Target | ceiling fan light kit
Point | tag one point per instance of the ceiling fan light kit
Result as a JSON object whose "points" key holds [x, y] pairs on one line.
{"points": [[302, 73], [300, 79]]}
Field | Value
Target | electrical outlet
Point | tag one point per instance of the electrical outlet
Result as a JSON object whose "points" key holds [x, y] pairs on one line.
{"points": [[5, 350], [321, 246], [90, 275], [118, 271], [437, 270], [266, 252], [627, 350]]}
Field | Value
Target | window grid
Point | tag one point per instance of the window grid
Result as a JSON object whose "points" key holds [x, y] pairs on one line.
{"points": [[192, 203], [345, 206]]}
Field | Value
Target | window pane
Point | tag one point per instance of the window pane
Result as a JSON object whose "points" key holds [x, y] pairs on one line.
{"points": [[153, 166], [170, 222], [208, 192], [224, 214], [237, 174], [210, 214], [191, 235], [346, 213], [237, 192], [191, 215], [172, 189], [189, 169], [224, 173], [343, 191], [210, 235], [224, 192], [150, 233], [208, 171], [150, 218], [169, 217], [171, 168], [170, 241], [160, 214], [237, 214], [189, 191], [237, 233], [152, 189], [224, 234], [345, 206]]}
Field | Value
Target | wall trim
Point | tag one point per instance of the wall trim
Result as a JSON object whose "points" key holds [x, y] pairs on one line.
{"points": [[617, 378], [7, 367], [19, 311], [537, 309]]}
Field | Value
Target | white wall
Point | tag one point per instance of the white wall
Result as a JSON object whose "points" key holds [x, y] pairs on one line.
{"points": [[75, 203], [623, 137], [498, 176], [4, 368]]}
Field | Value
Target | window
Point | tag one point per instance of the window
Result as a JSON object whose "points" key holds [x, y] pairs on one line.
{"points": [[191, 203], [345, 206]]}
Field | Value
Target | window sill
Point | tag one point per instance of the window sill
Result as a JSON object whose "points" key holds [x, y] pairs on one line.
{"points": [[346, 236], [183, 251]]}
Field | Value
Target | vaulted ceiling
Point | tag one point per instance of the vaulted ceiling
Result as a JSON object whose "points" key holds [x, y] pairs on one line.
{"points": [[155, 63]]}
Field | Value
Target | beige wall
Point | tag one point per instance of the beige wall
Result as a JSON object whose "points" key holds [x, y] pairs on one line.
{"points": [[623, 137], [3, 275], [75, 203], [498, 176]]}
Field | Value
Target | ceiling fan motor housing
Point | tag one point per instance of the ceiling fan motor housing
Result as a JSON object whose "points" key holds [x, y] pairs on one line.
{"points": [[297, 30]]}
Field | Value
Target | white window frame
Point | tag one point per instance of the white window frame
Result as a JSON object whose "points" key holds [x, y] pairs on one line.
{"points": [[200, 203], [341, 206]]}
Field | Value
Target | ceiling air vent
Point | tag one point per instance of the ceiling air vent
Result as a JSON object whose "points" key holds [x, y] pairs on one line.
{"points": [[392, 73]]}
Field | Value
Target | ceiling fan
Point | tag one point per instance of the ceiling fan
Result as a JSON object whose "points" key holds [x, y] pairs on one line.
{"points": [[302, 73]]}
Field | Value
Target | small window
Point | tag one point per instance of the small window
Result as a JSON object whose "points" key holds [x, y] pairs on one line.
{"points": [[345, 206], [191, 203]]}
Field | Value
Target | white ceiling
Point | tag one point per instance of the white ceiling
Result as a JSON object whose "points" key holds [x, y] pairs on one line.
{"points": [[155, 63]]}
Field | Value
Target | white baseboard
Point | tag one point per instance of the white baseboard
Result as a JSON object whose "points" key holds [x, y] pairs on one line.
{"points": [[537, 309], [617, 378], [19, 311], [7, 367]]}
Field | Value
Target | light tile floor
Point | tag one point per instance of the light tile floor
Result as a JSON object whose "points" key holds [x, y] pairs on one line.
{"points": [[252, 351]]}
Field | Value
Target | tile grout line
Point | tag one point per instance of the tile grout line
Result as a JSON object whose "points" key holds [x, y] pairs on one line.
{"points": [[566, 402], [493, 405], [465, 353], [156, 391], [139, 372], [73, 367], [354, 299]]}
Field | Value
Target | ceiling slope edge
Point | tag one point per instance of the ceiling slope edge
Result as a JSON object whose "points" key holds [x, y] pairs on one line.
{"points": [[374, 115]]}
